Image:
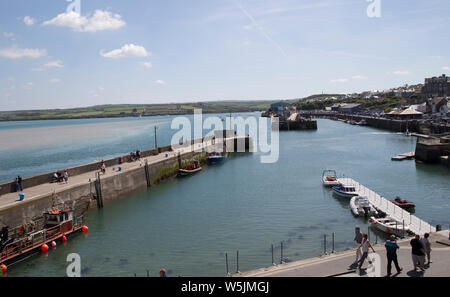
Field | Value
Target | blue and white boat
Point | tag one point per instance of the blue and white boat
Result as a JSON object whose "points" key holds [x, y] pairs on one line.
{"points": [[346, 191], [215, 158]]}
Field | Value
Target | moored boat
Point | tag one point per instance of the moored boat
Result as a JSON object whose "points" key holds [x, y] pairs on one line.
{"points": [[361, 206], [329, 178], [216, 157], [389, 225], [192, 168], [406, 205], [58, 223], [346, 191]]}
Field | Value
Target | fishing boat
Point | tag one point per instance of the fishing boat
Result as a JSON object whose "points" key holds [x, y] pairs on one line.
{"points": [[216, 157], [406, 205], [389, 225], [192, 168], [17, 244], [346, 191], [361, 206], [329, 178]]}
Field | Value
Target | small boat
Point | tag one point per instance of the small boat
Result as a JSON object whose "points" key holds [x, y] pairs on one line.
{"points": [[19, 245], [361, 206], [389, 225], [406, 205], [216, 157], [362, 123], [192, 168], [346, 191], [329, 178]]}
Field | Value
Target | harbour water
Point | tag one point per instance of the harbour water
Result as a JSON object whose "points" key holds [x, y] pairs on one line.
{"points": [[187, 225]]}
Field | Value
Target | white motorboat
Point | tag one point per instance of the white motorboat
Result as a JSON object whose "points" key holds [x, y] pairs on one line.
{"points": [[361, 206], [346, 191], [329, 178], [389, 225]]}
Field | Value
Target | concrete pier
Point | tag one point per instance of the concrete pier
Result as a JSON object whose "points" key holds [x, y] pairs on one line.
{"points": [[115, 184]]}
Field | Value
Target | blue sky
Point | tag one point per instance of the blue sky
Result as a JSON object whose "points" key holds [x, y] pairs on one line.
{"points": [[168, 51]]}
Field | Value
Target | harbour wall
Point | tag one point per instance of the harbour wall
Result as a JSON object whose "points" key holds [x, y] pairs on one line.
{"points": [[431, 150], [83, 196]]}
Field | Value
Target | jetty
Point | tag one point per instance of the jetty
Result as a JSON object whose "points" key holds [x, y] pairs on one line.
{"points": [[415, 224]]}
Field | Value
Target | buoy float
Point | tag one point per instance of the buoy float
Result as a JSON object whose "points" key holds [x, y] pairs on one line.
{"points": [[64, 238], [53, 244], [44, 248], [85, 229], [3, 268]]}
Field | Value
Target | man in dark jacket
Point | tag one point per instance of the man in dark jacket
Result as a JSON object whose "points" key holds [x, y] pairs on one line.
{"points": [[391, 253], [418, 253]]}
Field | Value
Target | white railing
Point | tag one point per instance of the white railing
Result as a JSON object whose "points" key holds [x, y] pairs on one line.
{"points": [[415, 224]]}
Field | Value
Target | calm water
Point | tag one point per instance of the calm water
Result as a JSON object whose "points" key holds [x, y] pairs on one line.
{"points": [[187, 225]]}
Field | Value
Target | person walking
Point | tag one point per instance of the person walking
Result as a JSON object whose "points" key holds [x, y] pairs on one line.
{"points": [[427, 247], [365, 245], [417, 253], [358, 239], [66, 176], [19, 180], [391, 253]]}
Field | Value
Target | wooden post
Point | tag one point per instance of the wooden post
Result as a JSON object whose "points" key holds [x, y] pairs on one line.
{"points": [[324, 244], [273, 262], [179, 160], [332, 243], [147, 174], [237, 261], [281, 256], [156, 141], [226, 263]]}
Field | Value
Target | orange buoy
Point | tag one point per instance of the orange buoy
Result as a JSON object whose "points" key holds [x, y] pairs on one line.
{"points": [[44, 248], [64, 238], [85, 229], [3, 267], [53, 244]]}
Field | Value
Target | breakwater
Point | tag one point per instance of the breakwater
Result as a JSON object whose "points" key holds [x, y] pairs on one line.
{"points": [[88, 186], [396, 125]]}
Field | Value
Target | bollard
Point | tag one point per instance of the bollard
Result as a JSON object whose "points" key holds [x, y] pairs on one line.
{"points": [[237, 261]]}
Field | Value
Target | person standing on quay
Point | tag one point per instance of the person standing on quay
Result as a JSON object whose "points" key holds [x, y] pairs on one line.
{"points": [[66, 176], [358, 239], [391, 253], [19, 182], [427, 247], [365, 245], [417, 253]]}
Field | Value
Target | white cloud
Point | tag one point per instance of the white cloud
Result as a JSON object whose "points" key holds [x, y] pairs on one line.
{"points": [[101, 20], [52, 64], [17, 53], [147, 64], [54, 80], [160, 82], [29, 21], [359, 77], [400, 72], [339, 80], [445, 68], [127, 51]]}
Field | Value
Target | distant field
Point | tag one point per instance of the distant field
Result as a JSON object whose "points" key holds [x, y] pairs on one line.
{"points": [[109, 111]]}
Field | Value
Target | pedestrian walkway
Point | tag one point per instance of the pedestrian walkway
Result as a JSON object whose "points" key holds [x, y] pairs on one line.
{"points": [[340, 264]]}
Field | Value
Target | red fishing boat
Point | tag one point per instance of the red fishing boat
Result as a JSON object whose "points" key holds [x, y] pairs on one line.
{"points": [[57, 223], [192, 168]]}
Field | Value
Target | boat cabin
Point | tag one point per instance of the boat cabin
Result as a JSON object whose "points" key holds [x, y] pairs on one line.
{"points": [[55, 218], [347, 188]]}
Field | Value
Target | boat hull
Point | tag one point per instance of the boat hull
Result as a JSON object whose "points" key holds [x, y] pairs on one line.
{"points": [[216, 159], [185, 172], [344, 194]]}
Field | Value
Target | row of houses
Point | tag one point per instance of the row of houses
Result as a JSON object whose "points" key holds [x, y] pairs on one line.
{"points": [[436, 106]]}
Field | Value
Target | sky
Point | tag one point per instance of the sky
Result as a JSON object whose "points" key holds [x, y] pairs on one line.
{"points": [[58, 54]]}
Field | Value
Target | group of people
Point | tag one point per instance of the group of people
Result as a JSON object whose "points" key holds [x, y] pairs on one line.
{"points": [[18, 183], [420, 248], [61, 177], [135, 156]]}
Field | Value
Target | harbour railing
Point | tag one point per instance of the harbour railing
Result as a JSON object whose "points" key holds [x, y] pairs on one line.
{"points": [[415, 224]]}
